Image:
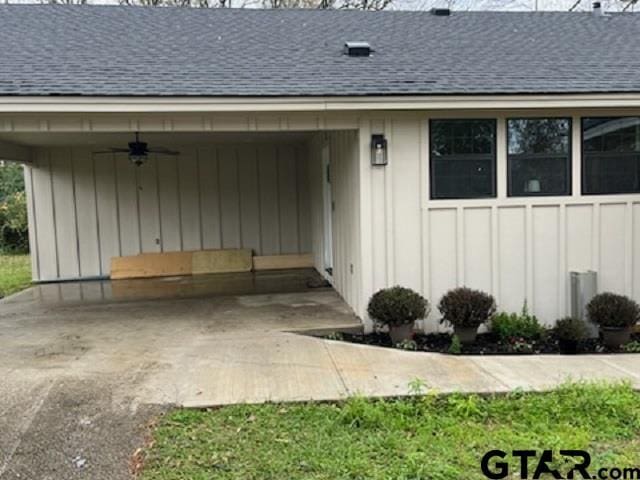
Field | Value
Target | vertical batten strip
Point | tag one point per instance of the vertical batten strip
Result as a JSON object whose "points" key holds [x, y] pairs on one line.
{"points": [[159, 209], [279, 215], [529, 264], [259, 194], [388, 193], [117, 193], [562, 272], [32, 220], [97, 213], [460, 266], [495, 254], [75, 211], [597, 228], [236, 159], [422, 156], [179, 198], [198, 176], [53, 210], [296, 176], [628, 249], [136, 179]]}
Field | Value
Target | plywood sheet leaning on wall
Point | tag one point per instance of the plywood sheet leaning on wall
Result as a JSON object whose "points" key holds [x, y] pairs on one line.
{"points": [[281, 262], [222, 261], [151, 265], [166, 264]]}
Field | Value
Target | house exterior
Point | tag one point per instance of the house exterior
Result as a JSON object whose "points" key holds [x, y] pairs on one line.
{"points": [[500, 151]]}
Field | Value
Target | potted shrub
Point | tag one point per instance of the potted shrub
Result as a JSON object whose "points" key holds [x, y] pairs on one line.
{"points": [[466, 309], [615, 315], [398, 308], [570, 332]]}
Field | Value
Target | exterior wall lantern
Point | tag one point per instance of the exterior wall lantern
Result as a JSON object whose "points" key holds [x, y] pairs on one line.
{"points": [[378, 150]]}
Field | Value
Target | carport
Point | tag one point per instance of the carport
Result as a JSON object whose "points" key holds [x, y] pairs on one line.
{"points": [[285, 194]]}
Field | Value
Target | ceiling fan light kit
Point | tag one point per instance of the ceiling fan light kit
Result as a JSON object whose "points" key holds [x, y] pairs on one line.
{"points": [[139, 151]]}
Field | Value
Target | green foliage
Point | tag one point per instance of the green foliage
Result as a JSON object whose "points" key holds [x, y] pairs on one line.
{"points": [[571, 329], [11, 180], [521, 325], [335, 336], [456, 346], [15, 273], [464, 307], [397, 306], [407, 345], [631, 347], [413, 438], [14, 236], [613, 310]]}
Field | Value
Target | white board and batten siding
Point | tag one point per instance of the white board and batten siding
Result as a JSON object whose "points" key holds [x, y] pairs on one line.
{"points": [[518, 249], [86, 208]]}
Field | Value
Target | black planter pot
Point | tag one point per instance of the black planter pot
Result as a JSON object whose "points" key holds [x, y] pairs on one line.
{"points": [[615, 337], [568, 347], [466, 335], [400, 333]]}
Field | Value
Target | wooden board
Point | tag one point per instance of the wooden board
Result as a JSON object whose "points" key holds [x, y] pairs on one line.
{"points": [[151, 265], [281, 262], [169, 264], [221, 261]]}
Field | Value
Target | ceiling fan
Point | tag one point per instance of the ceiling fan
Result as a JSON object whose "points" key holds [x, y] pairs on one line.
{"points": [[139, 151]]}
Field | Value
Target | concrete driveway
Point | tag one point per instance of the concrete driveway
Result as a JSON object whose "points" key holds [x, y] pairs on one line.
{"points": [[85, 366]]}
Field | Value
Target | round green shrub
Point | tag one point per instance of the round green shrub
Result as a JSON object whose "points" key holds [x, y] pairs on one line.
{"points": [[464, 307], [571, 329], [397, 306], [613, 311]]}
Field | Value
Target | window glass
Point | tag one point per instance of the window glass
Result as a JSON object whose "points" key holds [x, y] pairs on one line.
{"points": [[539, 156], [463, 158], [610, 155]]}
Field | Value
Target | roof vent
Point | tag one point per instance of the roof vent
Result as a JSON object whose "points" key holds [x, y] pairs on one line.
{"points": [[357, 49], [598, 11], [440, 12]]}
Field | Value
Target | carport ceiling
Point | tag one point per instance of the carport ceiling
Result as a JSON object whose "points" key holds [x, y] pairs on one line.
{"points": [[89, 139]]}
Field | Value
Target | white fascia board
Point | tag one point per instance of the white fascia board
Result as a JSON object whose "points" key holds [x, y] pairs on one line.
{"points": [[43, 104]]}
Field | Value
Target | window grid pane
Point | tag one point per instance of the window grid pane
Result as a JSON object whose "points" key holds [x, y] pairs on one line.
{"points": [[539, 156], [610, 155], [462, 158]]}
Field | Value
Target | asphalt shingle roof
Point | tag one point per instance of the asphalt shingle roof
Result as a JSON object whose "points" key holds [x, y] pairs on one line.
{"points": [[117, 50]]}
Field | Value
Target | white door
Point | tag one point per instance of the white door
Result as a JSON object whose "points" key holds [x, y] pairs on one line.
{"points": [[328, 211]]}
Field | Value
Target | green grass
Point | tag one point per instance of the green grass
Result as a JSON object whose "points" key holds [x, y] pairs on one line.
{"points": [[15, 273], [430, 437]]}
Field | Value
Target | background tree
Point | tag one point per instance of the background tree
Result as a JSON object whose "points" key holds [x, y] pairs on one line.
{"points": [[14, 237]]}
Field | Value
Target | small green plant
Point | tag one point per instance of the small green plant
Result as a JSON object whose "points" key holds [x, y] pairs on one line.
{"points": [[456, 346], [335, 336], [611, 310], [570, 329], [397, 306], [631, 347], [407, 345], [520, 345], [521, 325], [464, 307], [417, 386]]}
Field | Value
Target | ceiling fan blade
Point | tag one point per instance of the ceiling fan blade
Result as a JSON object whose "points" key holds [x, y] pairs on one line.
{"points": [[114, 150], [163, 151]]}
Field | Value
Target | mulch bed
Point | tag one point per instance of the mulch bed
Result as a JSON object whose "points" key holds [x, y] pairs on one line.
{"points": [[485, 344]]}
